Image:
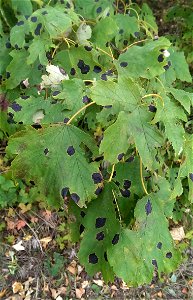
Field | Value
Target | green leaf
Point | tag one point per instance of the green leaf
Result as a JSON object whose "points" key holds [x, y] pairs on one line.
{"points": [[29, 109], [148, 18], [18, 32], [103, 32], [180, 66], [55, 168], [101, 227], [22, 6], [18, 68], [79, 63], [38, 49], [128, 25], [143, 61], [186, 168], [185, 98], [90, 9], [174, 133], [54, 21], [147, 137], [124, 95], [135, 257], [111, 144], [130, 171]]}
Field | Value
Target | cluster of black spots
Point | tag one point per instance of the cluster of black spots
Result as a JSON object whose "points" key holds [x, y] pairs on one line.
{"points": [[67, 5], [105, 256], [125, 193], [148, 207], [10, 119], [75, 197], [8, 75], [72, 71], [107, 73], [55, 93], [166, 67], [97, 178], [99, 9], [137, 34], [115, 239], [44, 13], [66, 120], [26, 17], [98, 190], [152, 108], [169, 255], [159, 245], [70, 150], [37, 126], [20, 23], [86, 99], [8, 45], [100, 222], [120, 156], [100, 236], [191, 176], [87, 48], [34, 19], [16, 107], [82, 213], [81, 228], [93, 259], [127, 184], [97, 69], [125, 42], [64, 192], [38, 29], [160, 58], [123, 64], [121, 31], [154, 263], [83, 67], [46, 151]]}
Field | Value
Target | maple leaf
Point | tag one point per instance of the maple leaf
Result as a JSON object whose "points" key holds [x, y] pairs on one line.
{"points": [[55, 170]]}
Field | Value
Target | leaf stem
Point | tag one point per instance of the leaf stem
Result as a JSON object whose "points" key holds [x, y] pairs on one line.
{"points": [[84, 107], [113, 168], [117, 207], [105, 52], [154, 95], [135, 43], [141, 176]]}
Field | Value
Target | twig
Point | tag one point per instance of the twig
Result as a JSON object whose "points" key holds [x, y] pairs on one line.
{"points": [[30, 229]]}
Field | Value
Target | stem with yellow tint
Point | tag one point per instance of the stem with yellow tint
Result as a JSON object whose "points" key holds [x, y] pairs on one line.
{"points": [[141, 176], [79, 111], [113, 168], [154, 95]]}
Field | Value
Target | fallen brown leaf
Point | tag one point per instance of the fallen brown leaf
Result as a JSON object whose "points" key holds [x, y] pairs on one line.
{"points": [[17, 287], [79, 293]]}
